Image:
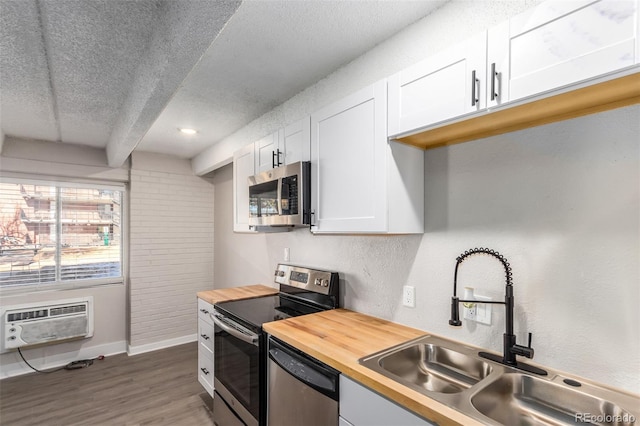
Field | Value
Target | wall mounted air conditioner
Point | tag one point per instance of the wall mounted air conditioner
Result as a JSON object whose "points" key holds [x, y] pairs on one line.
{"points": [[40, 323]]}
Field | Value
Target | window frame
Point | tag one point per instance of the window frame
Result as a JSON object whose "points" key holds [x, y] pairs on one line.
{"points": [[66, 182]]}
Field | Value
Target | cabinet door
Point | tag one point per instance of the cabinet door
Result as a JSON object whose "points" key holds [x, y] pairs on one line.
{"points": [[295, 141], [446, 85], [266, 152], [379, 411], [559, 43], [243, 167], [348, 163]]}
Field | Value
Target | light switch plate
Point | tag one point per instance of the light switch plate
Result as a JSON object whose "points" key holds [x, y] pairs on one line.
{"points": [[483, 311]]}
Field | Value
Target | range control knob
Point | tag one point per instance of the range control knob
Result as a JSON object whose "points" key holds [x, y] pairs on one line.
{"points": [[318, 281], [325, 283], [281, 273]]}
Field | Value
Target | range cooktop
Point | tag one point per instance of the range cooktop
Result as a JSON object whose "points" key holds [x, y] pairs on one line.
{"points": [[302, 291]]}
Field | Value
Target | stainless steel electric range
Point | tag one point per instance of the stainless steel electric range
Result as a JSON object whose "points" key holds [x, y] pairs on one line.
{"points": [[240, 345]]}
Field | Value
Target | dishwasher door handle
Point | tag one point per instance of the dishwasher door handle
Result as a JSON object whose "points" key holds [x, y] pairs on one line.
{"points": [[314, 376]]}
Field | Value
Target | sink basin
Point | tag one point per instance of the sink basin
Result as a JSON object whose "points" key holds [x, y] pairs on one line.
{"points": [[496, 394], [432, 367], [526, 400]]}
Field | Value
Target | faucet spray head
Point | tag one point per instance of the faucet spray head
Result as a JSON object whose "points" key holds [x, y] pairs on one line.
{"points": [[455, 313]]}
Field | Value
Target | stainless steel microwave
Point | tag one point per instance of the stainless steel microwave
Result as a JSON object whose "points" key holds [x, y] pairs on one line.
{"points": [[281, 197]]}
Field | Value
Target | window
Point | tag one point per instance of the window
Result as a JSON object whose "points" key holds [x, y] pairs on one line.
{"points": [[54, 233]]}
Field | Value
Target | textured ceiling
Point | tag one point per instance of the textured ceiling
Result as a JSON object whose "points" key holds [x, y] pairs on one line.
{"points": [[64, 68], [125, 74]]}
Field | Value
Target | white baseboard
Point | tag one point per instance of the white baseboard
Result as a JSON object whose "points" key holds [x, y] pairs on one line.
{"points": [[18, 367], [140, 349]]}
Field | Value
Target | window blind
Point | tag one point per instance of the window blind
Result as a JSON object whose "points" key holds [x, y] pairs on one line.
{"points": [[56, 233]]}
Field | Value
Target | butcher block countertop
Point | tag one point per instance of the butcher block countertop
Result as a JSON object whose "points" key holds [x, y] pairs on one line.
{"points": [[340, 337], [236, 293]]}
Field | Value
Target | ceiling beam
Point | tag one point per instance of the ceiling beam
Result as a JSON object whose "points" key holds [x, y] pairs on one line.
{"points": [[183, 32]]}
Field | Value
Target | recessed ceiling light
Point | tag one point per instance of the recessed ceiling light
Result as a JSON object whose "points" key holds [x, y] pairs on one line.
{"points": [[188, 131]]}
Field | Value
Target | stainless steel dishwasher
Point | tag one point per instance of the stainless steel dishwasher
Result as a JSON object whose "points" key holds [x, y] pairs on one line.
{"points": [[302, 390]]}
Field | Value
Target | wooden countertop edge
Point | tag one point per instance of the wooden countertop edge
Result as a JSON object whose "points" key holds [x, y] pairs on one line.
{"points": [[236, 293], [402, 395]]}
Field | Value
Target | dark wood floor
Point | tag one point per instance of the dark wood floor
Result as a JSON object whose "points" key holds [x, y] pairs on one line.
{"points": [[156, 388]]}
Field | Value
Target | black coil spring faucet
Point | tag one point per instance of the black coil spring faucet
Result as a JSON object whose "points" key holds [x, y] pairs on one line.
{"points": [[511, 349]]}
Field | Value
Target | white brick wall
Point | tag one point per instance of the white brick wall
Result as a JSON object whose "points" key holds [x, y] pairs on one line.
{"points": [[171, 248]]}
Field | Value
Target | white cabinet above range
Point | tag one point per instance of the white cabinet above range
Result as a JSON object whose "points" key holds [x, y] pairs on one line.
{"points": [[286, 146], [361, 182]]}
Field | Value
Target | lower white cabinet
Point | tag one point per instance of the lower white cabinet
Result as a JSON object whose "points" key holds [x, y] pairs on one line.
{"points": [[360, 406], [343, 422], [205, 346]]}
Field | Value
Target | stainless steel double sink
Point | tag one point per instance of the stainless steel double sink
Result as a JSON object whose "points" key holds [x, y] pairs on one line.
{"points": [[496, 394]]}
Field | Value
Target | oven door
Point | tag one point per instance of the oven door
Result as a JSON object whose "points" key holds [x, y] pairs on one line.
{"points": [[237, 371]]}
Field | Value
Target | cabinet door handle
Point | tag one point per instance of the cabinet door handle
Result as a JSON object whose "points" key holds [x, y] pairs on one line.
{"points": [[205, 337], [278, 153], [474, 88], [205, 371], [494, 76], [204, 311], [273, 159]]}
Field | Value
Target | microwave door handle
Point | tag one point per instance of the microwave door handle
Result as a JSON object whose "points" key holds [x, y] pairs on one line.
{"points": [[248, 338], [279, 202]]}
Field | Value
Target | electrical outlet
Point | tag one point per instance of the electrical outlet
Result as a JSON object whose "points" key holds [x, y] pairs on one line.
{"points": [[287, 253], [409, 296], [478, 312], [469, 311]]}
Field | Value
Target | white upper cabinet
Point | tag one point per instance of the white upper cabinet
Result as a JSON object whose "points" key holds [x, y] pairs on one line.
{"points": [[448, 84], [243, 167], [360, 183], [559, 43], [295, 141], [283, 147], [551, 47], [267, 153]]}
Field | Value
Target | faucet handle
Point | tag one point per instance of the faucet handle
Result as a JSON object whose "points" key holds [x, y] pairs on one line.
{"points": [[523, 350]]}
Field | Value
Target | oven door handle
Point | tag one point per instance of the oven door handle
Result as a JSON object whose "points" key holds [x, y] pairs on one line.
{"points": [[221, 322]]}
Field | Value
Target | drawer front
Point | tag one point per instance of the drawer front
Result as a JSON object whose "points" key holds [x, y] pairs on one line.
{"points": [[205, 370], [204, 309], [205, 334]]}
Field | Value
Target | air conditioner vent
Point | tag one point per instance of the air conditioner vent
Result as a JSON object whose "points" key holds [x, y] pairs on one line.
{"points": [[27, 315], [67, 310]]}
